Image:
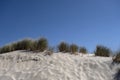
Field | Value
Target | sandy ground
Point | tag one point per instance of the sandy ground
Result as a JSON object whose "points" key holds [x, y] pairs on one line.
{"points": [[20, 65]]}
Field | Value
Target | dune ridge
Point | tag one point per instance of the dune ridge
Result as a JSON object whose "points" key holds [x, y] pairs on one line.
{"points": [[20, 65]]}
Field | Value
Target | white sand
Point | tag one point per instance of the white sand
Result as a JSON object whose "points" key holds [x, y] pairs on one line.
{"points": [[19, 65]]}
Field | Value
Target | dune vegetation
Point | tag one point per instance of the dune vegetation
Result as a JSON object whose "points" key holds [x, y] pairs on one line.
{"points": [[41, 45], [102, 51]]}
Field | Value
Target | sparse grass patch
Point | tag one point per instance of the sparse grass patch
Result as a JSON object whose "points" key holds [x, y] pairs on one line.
{"points": [[83, 50], [5, 49], [42, 44], [116, 58], [102, 51], [33, 46], [63, 47], [25, 44], [73, 48]]}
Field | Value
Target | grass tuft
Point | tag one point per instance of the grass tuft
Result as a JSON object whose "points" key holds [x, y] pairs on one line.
{"points": [[102, 51]]}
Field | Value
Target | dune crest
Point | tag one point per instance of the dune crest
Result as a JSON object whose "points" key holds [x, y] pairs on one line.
{"points": [[19, 65]]}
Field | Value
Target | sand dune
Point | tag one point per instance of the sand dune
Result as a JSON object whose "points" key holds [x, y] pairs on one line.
{"points": [[20, 65]]}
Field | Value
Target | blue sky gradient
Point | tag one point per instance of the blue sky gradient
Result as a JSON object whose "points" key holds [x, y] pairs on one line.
{"points": [[84, 22]]}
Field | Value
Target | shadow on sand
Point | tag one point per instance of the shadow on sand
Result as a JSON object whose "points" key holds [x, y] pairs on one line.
{"points": [[117, 75]]}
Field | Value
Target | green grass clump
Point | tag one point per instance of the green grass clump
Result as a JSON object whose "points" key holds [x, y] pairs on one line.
{"points": [[83, 50], [41, 44], [102, 51], [33, 46], [63, 47], [25, 44], [73, 48], [5, 49]]}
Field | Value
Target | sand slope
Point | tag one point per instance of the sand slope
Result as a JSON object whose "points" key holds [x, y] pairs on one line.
{"points": [[19, 65]]}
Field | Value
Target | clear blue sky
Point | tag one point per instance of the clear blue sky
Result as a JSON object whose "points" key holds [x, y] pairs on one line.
{"points": [[84, 22]]}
